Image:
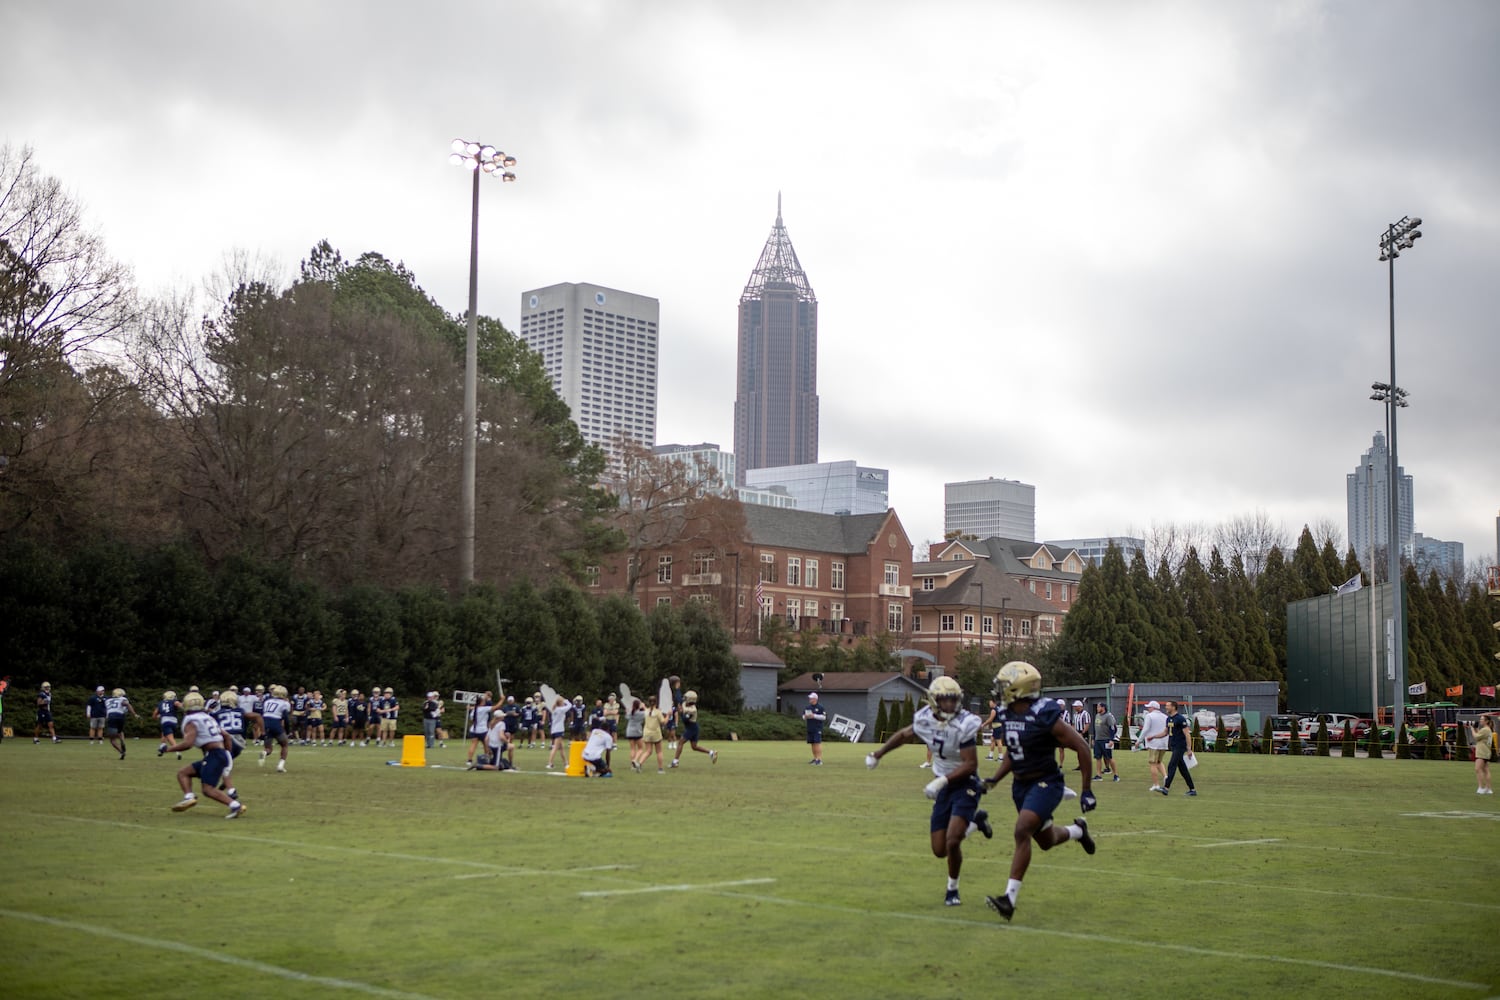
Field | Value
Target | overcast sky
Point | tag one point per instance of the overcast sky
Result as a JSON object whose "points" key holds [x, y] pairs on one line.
{"points": [[1125, 252]]}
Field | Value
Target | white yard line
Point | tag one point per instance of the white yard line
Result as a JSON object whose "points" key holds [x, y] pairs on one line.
{"points": [[208, 955], [679, 887], [1148, 946], [1239, 843]]}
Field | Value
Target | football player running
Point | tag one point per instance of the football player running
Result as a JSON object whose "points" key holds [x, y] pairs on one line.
{"points": [[202, 730], [950, 732], [1035, 728]]}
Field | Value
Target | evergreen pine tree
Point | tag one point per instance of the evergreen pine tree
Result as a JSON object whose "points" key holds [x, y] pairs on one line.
{"points": [[1403, 748], [1308, 568], [1323, 738]]}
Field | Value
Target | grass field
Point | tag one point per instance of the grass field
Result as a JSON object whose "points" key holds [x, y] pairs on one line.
{"points": [[756, 877]]}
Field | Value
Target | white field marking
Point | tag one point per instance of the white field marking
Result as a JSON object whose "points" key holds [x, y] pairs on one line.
{"points": [[680, 887], [566, 871], [1454, 814], [1149, 946], [1240, 843], [1297, 845], [306, 846], [1260, 886], [205, 954]]}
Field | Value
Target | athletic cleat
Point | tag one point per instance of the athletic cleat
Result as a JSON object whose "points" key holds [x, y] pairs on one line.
{"points": [[122, 753], [1117, 777], [261, 761], [1164, 791], [1001, 905], [161, 748], [982, 820], [1192, 792], [184, 805], [674, 763], [925, 763], [951, 899], [1086, 841], [281, 767], [236, 811], [713, 756], [1068, 793], [1098, 777]]}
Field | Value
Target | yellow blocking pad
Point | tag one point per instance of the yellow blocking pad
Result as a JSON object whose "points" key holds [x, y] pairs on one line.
{"points": [[413, 751], [576, 767]]}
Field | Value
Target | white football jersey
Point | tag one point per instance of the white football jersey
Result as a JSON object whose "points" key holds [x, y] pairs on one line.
{"points": [[947, 739], [207, 734]]}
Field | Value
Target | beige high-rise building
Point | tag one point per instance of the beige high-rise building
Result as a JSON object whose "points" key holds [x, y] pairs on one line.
{"points": [[599, 346]]}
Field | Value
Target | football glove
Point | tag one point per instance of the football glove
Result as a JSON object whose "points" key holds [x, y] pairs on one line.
{"points": [[871, 761], [935, 787], [1088, 802]]}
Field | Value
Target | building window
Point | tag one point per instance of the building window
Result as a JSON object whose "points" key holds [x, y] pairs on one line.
{"points": [[1032, 585], [945, 623], [1044, 624], [1065, 593], [810, 609], [812, 574], [892, 573], [700, 598], [1009, 627], [794, 571], [703, 562], [591, 575], [1025, 627], [664, 570], [836, 575], [1049, 590], [660, 601], [968, 623], [916, 623], [767, 606], [988, 625], [836, 612], [893, 616], [793, 611], [768, 567], [929, 583]]}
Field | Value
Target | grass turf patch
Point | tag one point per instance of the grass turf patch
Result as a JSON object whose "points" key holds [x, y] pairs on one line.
{"points": [[756, 877]]}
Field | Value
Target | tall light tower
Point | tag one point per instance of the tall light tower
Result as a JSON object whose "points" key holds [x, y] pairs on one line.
{"points": [[1398, 236], [479, 158]]}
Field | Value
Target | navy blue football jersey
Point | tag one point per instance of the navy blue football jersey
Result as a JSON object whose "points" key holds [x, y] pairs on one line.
{"points": [[1029, 739]]}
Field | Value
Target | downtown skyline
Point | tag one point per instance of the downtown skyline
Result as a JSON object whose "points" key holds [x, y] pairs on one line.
{"points": [[1124, 254]]}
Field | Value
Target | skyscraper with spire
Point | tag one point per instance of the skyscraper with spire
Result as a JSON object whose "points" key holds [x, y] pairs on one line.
{"points": [[776, 398]]}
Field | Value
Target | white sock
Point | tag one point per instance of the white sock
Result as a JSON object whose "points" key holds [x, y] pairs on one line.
{"points": [[952, 883], [1075, 832], [189, 795], [1013, 889], [972, 827]]}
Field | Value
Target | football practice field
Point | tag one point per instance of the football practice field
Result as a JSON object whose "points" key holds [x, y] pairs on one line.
{"points": [[758, 876]]}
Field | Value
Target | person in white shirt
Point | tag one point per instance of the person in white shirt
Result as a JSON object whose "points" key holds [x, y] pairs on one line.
{"points": [[596, 751], [1154, 739]]}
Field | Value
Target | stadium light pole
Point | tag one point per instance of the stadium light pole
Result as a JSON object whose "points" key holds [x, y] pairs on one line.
{"points": [[479, 158], [1398, 236]]}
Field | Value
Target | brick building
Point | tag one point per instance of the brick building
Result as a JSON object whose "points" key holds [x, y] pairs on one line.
{"points": [[841, 575], [990, 592]]}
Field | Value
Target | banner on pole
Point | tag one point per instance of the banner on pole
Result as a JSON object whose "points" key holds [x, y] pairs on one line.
{"points": [[1487, 691], [1417, 688], [1455, 692]]}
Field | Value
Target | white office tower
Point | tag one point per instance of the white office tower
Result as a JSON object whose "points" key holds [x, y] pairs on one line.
{"points": [[599, 346], [990, 508]]}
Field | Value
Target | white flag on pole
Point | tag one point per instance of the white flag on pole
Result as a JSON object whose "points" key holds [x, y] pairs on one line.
{"points": [[1350, 585], [1417, 688]]}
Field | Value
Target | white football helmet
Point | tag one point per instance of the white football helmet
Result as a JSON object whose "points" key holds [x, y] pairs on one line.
{"points": [[1016, 680], [945, 696]]}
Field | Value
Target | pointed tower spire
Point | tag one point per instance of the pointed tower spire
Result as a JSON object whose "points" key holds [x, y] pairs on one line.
{"points": [[778, 264]]}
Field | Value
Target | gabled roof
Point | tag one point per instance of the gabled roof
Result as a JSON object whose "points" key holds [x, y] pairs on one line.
{"points": [[865, 680], [750, 655], [961, 588], [807, 529], [1012, 554]]}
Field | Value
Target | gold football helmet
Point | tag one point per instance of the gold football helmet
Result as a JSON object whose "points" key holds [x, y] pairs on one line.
{"points": [[945, 690], [192, 702], [169, 696], [1016, 680], [229, 699]]}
